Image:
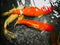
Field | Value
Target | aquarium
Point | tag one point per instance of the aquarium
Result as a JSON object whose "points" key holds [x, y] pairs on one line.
{"points": [[30, 22]]}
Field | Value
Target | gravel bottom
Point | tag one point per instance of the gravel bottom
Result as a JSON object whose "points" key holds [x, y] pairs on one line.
{"points": [[28, 35]]}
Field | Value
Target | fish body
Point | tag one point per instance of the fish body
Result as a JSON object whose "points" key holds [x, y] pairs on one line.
{"points": [[33, 11], [36, 24]]}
